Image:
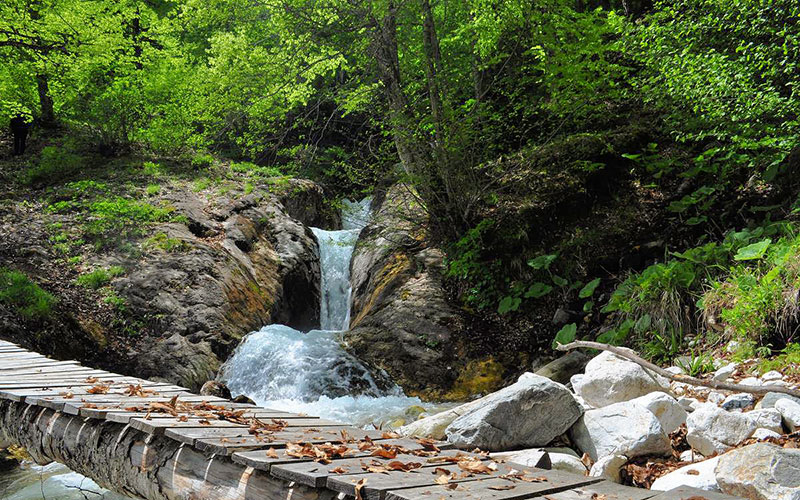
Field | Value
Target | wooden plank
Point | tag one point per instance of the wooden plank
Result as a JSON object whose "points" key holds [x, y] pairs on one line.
{"points": [[76, 382], [258, 459], [66, 370], [229, 445], [191, 436], [157, 426], [316, 475], [378, 485], [57, 401], [98, 405], [124, 417], [688, 493], [604, 489], [39, 364]]}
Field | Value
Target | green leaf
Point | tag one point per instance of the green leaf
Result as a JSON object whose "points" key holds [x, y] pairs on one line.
{"points": [[642, 324], [542, 261], [587, 307], [508, 303], [558, 280], [753, 251], [538, 290], [565, 335], [589, 289]]}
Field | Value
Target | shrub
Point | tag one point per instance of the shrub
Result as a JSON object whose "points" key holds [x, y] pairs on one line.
{"points": [[202, 160], [24, 296], [152, 189], [55, 164], [165, 243], [100, 277]]}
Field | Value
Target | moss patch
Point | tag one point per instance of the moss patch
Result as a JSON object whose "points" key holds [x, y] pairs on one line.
{"points": [[476, 377]]}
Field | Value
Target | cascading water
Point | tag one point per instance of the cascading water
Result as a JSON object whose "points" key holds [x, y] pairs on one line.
{"points": [[282, 368]]}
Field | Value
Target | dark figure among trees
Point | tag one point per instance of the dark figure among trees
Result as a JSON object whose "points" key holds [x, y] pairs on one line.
{"points": [[19, 128]]}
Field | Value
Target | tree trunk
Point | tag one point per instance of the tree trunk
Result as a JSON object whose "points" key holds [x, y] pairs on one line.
{"points": [[47, 117], [385, 49]]}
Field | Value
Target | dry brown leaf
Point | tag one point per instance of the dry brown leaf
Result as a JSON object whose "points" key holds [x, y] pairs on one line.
{"points": [[428, 444], [67, 395], [91, 380], [359, 486], [599, 496], [587, 461], [384, 452], [443, 478], [403, 466], [338, 470], [474, 466], [98, 389], [271, 453], [183, 418], [504, 487], [203, 422], [693, 472]]}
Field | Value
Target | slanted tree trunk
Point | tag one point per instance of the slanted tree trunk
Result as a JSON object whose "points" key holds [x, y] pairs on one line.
{"points": [[47, 117]]}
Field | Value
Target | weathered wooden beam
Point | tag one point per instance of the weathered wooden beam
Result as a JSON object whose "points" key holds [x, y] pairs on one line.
{"points": [[137, 464]]}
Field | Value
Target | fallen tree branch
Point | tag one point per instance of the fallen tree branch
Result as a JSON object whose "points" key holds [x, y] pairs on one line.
{"points": [[686, 379]]}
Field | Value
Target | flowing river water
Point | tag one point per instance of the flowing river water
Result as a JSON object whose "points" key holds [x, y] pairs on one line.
{"points": [[278, 367]]}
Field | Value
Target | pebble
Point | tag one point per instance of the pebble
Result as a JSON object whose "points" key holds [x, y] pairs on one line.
{"points": [[716, 397], [738, 401], [764, 434], [750, 381], [772, 375], [725, 372]]}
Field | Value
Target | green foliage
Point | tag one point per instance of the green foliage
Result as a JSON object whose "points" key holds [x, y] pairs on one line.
{"points": [[99, 277], [565, 335], [24, 296], [787, 361], [697, 364], [55, 165], [152, 189], [163, 242]]}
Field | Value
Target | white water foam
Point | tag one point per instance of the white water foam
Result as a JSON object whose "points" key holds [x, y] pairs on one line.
{"points": [[282, 368]]}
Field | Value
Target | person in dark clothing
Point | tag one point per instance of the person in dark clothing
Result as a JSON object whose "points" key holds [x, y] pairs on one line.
{"points": [[19, 127]]}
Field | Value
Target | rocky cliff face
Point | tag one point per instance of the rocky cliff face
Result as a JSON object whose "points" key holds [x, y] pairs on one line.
{"points": [[401, 321], [254, 265], [191, 288]]}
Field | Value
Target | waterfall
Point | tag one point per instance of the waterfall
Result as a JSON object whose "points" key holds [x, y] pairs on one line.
{"points": [[282, 368], [335, 251]]}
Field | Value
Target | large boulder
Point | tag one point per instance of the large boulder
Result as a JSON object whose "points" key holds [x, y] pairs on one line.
{"points": [[531, 412], [202, 297], [760, 471], [790, 411], [770, 398], [698, 475], [611, 379], [401, 318], [714, 430], [620, 429]]}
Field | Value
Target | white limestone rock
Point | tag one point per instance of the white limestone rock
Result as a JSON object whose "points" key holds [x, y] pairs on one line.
{"points": [[567, 463], [772, 376], [666, 409], [770, 398], [610, 379], [714, 430], [716, 397], [609, 467], [760, 471], [725, 372], [767, 418], [620, 429], [698, 475], [534, 457], [529, 413], [762, 434], [790, 411]]}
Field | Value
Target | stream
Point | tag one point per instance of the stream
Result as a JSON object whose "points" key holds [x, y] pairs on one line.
{"points": [[278, 367]]}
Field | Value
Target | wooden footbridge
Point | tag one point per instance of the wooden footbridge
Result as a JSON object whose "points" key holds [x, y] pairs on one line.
{"points": [[159, 441]]}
